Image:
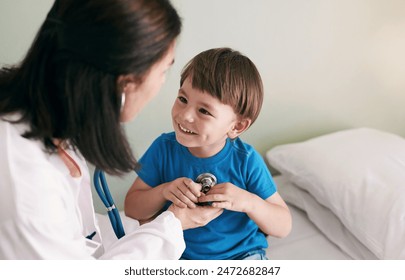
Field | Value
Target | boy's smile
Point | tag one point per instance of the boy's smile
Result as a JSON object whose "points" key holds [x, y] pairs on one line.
{"points": [[185, 130], [201, 122]]}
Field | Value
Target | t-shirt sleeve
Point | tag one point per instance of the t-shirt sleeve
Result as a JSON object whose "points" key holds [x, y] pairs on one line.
{"points": [[259, 179]]}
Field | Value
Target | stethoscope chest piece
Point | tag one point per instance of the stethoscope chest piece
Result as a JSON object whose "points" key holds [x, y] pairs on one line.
{"points": [[207, 181]]}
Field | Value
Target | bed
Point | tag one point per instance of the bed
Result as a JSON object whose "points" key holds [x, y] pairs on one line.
{"points": [[346, 193]]}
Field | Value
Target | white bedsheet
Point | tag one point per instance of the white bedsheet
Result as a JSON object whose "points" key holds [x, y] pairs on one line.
{"points": [[305, 242]]}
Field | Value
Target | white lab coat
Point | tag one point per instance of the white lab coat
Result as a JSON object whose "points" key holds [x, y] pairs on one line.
{"points": [[47, 214]]}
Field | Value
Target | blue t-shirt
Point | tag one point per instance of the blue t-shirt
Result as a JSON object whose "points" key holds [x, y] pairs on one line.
{"points": [[232, 233]]}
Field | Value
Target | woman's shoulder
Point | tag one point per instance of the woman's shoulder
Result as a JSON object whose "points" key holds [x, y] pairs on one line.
{"points": [[18, 150], [12, 130], [27, 168]]}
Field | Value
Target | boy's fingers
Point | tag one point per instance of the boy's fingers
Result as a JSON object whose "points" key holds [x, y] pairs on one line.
{"points": [[181, 195], [194, 188]]}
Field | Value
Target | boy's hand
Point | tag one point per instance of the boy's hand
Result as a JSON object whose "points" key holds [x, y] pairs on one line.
{"points": [[228, 196], [183, 192]]}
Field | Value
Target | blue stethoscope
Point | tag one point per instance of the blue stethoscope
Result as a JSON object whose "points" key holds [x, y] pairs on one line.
{"points": [[101, 186]]}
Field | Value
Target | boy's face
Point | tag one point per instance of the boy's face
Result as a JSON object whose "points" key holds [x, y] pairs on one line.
{"points": [[201, 122]]}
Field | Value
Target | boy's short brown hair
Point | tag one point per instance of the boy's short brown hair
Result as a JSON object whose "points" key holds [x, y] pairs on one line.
{"points": [[229, 76]]}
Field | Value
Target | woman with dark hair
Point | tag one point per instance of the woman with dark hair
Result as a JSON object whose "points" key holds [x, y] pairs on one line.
{"points": [[93, 65]]}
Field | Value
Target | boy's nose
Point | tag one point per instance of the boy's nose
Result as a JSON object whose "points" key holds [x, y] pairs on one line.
{"points": [[188, 115]]}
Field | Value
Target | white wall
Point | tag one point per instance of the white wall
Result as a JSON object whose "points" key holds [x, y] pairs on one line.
{"points": [[326, 64]]}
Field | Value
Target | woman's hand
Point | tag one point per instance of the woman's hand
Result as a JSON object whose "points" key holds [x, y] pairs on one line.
{"points": [[195, 217], [183, 192]]}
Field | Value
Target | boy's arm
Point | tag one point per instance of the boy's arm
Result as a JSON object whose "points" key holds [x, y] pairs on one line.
{"points": [[271, 215], [143, 202]]}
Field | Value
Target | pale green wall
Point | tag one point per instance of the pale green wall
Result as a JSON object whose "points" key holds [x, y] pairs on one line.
{"points": [[19, 22], [326, 64]]}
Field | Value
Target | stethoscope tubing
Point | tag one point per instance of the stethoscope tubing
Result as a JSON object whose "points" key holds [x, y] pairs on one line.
{"points": [[101, 186]]}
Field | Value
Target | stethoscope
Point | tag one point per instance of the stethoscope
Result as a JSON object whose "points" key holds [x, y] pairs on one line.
{"points": [[206, 180], [101, 186]]}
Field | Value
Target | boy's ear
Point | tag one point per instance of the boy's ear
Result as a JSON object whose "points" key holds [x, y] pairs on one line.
{"points": [[239, 127]]}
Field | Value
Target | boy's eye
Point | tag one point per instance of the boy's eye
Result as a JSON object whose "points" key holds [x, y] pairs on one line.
{"points": [[205, 112], [182, 99]]}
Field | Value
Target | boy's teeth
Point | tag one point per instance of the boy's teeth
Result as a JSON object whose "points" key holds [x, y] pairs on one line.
{"points": [[185, 130]]}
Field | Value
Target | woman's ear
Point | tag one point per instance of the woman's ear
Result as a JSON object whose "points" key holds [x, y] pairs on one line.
{"points": [[126, 83], [126, 87], [239, 127]]}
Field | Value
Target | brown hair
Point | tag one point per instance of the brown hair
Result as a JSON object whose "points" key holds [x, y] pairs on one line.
{"points": [[231, 77], [66, 86]]}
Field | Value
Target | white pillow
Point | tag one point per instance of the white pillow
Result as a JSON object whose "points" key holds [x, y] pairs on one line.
{"points": [[359, 174], [327, 222]]}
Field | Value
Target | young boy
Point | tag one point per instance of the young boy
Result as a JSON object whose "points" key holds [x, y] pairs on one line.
{"points": [[220, 96]]}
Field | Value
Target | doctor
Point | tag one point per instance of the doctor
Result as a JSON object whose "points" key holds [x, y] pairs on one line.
{"points": [[93, 65]]}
